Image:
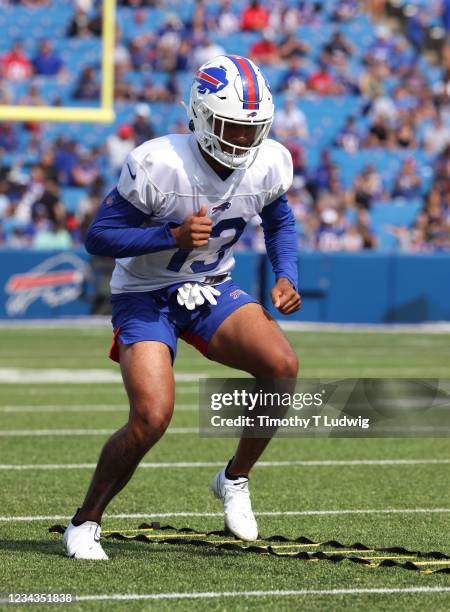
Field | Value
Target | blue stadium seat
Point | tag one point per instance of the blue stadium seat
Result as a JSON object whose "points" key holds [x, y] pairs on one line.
{"points": [[71, 197]]}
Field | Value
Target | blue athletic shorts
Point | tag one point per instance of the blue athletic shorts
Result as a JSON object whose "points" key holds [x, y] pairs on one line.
{"points": [[156, 315]]}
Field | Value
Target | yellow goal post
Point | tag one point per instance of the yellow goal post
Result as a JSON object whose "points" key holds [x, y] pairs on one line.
{"points": [[101, 114]]}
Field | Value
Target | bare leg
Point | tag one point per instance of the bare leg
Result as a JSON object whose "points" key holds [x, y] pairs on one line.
{"points": [[251, 340], [148, 378]]}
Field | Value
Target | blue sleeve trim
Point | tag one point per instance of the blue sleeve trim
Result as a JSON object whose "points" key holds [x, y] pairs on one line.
{"points": [[116, 232], [280, 236]]}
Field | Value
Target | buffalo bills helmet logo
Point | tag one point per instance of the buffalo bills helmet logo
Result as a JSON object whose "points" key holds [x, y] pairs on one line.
{"points": [[220, 207], [211, 80]]}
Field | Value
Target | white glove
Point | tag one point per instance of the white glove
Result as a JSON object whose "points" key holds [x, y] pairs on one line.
{"points": [[195, 295]]}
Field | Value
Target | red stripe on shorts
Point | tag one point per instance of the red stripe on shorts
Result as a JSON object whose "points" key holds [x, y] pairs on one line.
{"points": [[114, 348], [197, 341]]}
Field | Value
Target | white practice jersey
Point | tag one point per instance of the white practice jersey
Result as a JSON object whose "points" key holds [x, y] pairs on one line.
{"points": [[168, 179]]}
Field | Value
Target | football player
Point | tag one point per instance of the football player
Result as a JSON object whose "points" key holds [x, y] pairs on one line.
{"points": [[181, 203]]}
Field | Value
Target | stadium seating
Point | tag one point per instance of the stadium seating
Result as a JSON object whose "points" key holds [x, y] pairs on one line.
{"points": [[325, 115]]}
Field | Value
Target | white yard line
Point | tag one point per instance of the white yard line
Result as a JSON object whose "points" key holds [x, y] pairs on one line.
{"points": [[277, 593], [149, 515], [58, 376], [17, 433], [208, 464], [63, 408], [437, 327], [64, 375]]}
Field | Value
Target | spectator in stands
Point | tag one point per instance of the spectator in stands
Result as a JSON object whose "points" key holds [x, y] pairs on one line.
{"points": [[124, 90], [284, 18], [382, 48], [371, 82], [32, 97], [206, 51], [290, 121], [345, 10], [344, 75], [39, 222], [6, 93], [118, 146], [171, 90], [50, 201], [403, 57], [437, 136], [8, 137], [47, 163], [184, 55], [320, 176], [309, 13], [379, 134], [16, 65], [96, 21], [445, 15], [169, 35], [349, 137], [338, 43], [254, 17], [34, 3], [434, 208], [364, 228], [122, 58], [142, 126], [330, 231], [85, 169], [165, 56], [89, 204], [352, 240], [404, 136], [295, 78], [265, 50], [408, 183], [79, 24], [383, 106], [55, 236], [137, 3], [5, 201], [65, 157], [323, 83], [368, 187], [139, 54], [227, 20], [416, 28], [87, 87], [149, 92], [298, 157], [31, 195], [179, 127], [47, 62], [292, 46]]}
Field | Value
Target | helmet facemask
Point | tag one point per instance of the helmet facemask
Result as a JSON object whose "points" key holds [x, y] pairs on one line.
{"points": [[227, 152]]}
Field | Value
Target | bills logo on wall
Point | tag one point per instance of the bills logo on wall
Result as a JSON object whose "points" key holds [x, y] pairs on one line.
{"points": [[56, 281]]}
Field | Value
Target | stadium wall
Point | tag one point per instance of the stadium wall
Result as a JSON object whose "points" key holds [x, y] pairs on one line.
{"points": [[336, 287]]}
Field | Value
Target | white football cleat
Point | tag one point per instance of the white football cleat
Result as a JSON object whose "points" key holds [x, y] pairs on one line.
{"points": [[238, 513], [83, 542]]}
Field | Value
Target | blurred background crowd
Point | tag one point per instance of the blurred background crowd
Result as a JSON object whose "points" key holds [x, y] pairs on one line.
{"points": [[362, 95]]}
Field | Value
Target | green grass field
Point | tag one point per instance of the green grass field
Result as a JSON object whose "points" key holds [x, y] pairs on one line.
{"points": [[300, 495]]}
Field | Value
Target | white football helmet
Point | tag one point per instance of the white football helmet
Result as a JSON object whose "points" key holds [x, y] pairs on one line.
{"points": [[230, 89]]}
